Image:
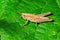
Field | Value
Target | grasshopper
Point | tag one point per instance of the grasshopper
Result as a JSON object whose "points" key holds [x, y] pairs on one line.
{"points": [[36, 18]]}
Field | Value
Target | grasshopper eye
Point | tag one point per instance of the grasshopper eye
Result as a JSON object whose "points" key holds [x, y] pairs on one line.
{"points": [[24, 15]]}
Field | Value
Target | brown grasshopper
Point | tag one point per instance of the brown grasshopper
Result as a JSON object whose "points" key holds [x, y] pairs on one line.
{"points": [[36, 18]]}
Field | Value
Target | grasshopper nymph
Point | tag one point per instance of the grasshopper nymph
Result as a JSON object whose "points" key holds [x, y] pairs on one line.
{"points": [[36, 18]]}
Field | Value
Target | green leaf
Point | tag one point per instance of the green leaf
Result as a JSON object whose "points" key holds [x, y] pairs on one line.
{"points": [[11, 22]]}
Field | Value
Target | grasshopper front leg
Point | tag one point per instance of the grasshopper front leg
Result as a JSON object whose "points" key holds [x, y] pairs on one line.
{"points": [[25, 23]]}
